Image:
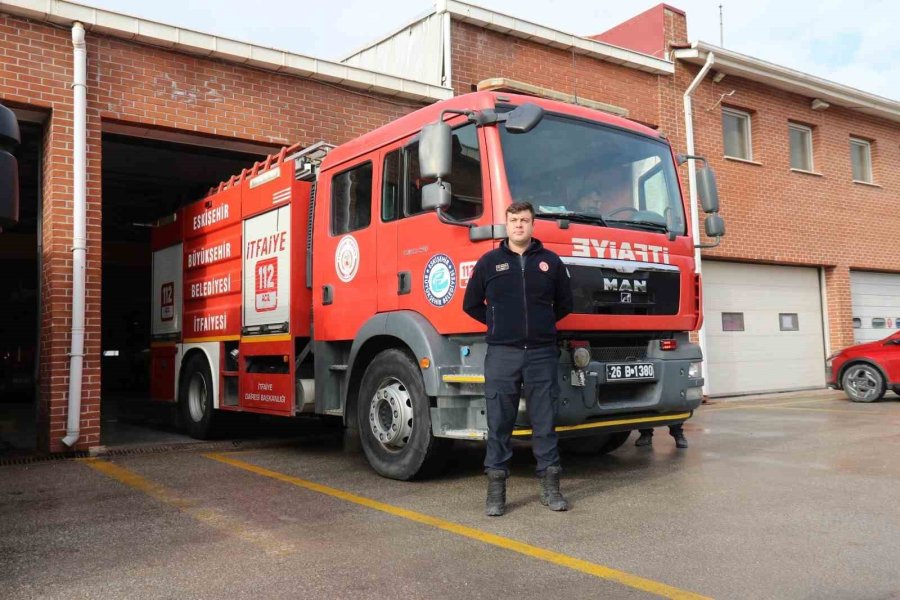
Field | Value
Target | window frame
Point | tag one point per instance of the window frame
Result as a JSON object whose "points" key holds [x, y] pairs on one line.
{"points": [[361, 164], [743, 324], [867, 145], [809, 145], [796, 320], [748, 143]]}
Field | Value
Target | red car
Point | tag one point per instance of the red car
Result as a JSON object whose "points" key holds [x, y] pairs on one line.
{"points": [[866, 371]]}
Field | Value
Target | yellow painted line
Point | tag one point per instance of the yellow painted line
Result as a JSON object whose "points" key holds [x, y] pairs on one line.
{"points": [[275, 337], [212, 517], [611, 423], [220, 338], [563, 560], [463, 378]]}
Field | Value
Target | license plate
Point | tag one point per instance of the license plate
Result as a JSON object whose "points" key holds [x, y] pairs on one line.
{"points": [[630, 372]]}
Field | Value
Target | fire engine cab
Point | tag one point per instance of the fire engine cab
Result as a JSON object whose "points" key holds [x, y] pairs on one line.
{"points": [[330, 280]]}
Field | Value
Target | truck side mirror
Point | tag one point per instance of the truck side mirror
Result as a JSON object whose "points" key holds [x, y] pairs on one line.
{"points": [[435, 147], [524, 118], [436, 196], [9, 169], [706, 189], [715, 226]]}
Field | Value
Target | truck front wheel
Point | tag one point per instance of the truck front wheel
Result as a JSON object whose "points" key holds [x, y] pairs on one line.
{"points": [[196, 398], [394, 419]]}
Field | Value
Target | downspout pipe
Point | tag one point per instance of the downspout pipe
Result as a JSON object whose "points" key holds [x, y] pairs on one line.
{"points": [[692, 182], [79, 234]]}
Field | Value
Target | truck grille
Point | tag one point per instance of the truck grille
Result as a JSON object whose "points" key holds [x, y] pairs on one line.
{"points": [[619, 354], [604, 291]]}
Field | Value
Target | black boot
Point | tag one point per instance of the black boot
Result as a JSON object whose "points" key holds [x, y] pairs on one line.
{"points": [[550, 494], [646, 439], [680, 440], [496, 494]]}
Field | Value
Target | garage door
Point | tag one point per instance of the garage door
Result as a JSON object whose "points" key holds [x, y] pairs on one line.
{"points": [[876, 305], [763, 328]]}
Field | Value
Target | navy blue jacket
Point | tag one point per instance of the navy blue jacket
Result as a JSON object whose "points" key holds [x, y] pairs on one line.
{"points": [[519, 297]]}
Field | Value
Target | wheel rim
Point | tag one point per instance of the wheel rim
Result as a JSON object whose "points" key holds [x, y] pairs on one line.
{"points": [[862, 383], [197, 397], [391, 414]]}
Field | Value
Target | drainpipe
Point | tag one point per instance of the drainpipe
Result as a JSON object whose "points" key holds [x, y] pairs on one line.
{"points": [[692, 182], [79, 235]]}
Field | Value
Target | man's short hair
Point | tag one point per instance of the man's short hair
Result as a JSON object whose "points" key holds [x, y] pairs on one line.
{"points": [[517, 207]]}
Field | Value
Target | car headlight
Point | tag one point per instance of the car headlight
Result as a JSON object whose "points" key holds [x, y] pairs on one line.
{"points": [[695, 371], [581, 357], [831, 358]]}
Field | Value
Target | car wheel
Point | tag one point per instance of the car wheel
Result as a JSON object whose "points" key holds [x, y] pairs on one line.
{"points": [[863, 383], [394, 417], [196, 398], [594, 445]]}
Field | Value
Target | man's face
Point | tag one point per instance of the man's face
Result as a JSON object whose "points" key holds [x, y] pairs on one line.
{"points": [[519, 227]]}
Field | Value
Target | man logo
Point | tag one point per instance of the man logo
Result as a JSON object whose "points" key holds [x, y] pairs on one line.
{"points": [[625, 285], [626, 297]]}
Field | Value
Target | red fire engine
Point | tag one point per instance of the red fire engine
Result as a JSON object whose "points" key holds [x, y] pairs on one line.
{"points": [[331, 282]]}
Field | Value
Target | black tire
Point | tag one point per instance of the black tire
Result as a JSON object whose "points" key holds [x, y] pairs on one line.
{"points": [[195, 398], [863, 383], [897, 390], [594, 445], [394, 418]]}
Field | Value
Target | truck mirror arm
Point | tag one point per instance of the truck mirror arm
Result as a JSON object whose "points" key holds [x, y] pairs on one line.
{"points": [[451, 221]]}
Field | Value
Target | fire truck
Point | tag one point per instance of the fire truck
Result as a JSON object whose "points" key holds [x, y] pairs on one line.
{"points": [[330, 280]]}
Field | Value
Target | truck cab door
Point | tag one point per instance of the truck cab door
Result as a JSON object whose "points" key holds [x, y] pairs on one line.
{"points": [[438, 257], [345, 272]]}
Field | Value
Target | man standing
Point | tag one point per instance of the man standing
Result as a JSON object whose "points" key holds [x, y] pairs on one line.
{"points": [[520, 290]]}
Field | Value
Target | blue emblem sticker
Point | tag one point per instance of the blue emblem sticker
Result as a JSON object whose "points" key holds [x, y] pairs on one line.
{"points": [[440, 280]]}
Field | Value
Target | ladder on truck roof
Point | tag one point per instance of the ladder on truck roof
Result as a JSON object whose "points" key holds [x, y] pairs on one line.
{"points": [[307, 160]]}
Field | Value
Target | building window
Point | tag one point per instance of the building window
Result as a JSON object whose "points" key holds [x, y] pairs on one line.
{"points": [[861, 157], [789, 322], [736, 134], [351, 199], [878, 323], [857, 323], [801, 147], [732, 321]]}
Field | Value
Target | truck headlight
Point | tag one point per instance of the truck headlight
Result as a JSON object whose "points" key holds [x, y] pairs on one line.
{"points": [[695, 371], [581, 357]]}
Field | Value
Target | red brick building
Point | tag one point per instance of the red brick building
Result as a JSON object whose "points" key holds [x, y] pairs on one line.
{"points": [[170, 111]]}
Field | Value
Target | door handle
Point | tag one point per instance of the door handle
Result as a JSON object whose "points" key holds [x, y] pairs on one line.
{"points": [[327, 294], [404, 283]]}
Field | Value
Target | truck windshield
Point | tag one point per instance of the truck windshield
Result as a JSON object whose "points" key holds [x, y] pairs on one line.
{"points": [[594, 174]]}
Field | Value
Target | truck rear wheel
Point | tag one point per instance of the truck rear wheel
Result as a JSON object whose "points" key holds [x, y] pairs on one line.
{"points": [[394, 417], [594, 445], [196, 398]]}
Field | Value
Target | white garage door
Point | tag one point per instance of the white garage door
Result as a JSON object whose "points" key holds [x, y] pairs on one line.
{"points": [[876, 305], [763, 328]]}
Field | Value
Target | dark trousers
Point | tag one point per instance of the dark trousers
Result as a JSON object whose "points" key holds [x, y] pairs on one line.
{"points": [[509, 374], [673, 430]]}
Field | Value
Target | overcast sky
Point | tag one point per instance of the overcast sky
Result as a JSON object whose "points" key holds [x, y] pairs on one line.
{"points": [[855, 43]]}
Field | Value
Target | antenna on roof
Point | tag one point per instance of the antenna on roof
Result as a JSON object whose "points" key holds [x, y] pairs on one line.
{"points": [[721, 29]]}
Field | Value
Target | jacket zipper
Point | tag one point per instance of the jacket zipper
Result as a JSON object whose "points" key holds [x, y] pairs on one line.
{"points": [[524, 298], [493, 319]]}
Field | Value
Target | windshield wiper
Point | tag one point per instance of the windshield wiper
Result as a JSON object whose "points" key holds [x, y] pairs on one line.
{"points": [[651, 225], [573, 216]]}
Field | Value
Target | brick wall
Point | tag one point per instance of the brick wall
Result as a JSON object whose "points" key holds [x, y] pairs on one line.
{"points": [[142, 85], [480, 54], [776, 215]]}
